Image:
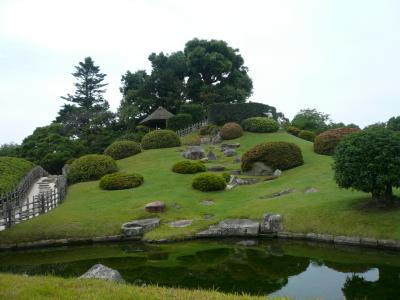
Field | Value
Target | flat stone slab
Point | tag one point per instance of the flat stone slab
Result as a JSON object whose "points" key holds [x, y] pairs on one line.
{"points": [[230, 146], [207, 202], [232, 227], [216, 168], [100, 271], [181, 223], [155, 207], [347, 240], [139, 227], [310, 191]]}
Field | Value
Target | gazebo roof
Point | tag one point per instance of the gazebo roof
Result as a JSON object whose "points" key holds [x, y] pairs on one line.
{"points": [[159, 114]]}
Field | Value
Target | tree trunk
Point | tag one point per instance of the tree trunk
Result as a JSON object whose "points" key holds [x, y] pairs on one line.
{"points": [[384, 198]]}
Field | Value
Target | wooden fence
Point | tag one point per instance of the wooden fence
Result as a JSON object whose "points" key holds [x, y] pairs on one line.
{"points": [[18, 206], [192, 128]]}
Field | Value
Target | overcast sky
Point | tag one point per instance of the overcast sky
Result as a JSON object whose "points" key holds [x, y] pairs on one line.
{"points": [[341, 57]]}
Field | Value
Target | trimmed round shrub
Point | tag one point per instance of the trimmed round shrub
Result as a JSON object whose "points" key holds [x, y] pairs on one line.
{"points": [[207, 129], [120, 181], [209, 182], [231, 131], [91, 167], [326, 142], [226, 176], [277, 155], [260, 124], [160, 139], [293, 130], [122, 149], [307, 135], [188, 167], [179, 121]]}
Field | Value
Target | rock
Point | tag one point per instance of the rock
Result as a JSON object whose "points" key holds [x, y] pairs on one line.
{"points": [[237, 160], [232, 227], [181, 223], [138, 227], [369, 242], [207, 202], [347, 240], [205, 140], [260, 169], [216, 138], [211, 155], [310, 190], [207, 216], [271, 223], [230, 146], [277, 173], [235, 172], [216, 168], [229, 152], [194, 153], [155, 207], [285, 235], [328, 238], [204, 159], [278, 194], [247, 243], [176, 205], [100, 271], [392, 244]]}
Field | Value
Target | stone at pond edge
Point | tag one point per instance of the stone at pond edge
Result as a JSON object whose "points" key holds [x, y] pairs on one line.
{"points": [[211, 155], [260, 169], [181, 223], [155, 207], [247, 243], [271, 223], [138, 227], [232, 227], [100, 271], [194, 153]]}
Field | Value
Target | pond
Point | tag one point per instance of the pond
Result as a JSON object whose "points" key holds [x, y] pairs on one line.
{"points": [[259, 267]]}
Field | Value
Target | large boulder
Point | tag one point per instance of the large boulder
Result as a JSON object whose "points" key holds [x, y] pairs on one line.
{"points": [[155, 207], [260, 169], [211, 155], [194, 153], [232, 227], [271, 223], [100, 271], [139, 227]]}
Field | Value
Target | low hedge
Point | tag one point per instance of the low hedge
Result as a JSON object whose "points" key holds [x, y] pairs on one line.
{"points": [[231, 131], [293, 130], [326, 142], [188, 167], [179, 121], [160, 139], [122, 149], [260, 124], [120, 181], [277, 155], [91, 167], [209, 182], [307, 135]]}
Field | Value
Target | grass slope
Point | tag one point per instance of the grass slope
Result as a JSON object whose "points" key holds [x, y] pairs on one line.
{"points": [[12, 170], [13, 287], [89, 211]]}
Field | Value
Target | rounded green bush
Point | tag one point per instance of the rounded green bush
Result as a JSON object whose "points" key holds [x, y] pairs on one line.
{"points": [[207, 182], [91, 167], [326, 142], [120, 181], [307, 135], [293, 130], [226, 176], [122, 149], [277, 155], [179, 121], [260, 124], [231, 131], [188, 167], [160, 139]]}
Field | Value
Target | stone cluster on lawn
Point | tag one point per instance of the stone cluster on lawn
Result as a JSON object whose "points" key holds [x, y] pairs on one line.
{"points": [[194, 153]]}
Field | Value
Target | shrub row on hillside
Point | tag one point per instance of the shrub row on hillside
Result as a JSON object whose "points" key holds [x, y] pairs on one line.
{"points": [[326, 142], [122, 149], [160, 139], [293, 130], [307, 135], [260, 124], [91, 167], [120, 181], [189, 167]]}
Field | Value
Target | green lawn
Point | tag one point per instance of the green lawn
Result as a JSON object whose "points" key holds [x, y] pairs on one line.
{"points": [[89, 211], [12, 170], [13, 287]]}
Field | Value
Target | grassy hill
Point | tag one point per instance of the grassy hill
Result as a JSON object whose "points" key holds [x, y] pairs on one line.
{"points": [[12, 170], [89, 211]]}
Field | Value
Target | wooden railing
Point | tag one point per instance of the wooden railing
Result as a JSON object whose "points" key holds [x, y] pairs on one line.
{"points": [[17, 206], [192, 128]]}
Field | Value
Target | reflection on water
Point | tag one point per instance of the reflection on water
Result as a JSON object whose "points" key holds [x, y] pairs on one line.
{"points": [[272, 267]]}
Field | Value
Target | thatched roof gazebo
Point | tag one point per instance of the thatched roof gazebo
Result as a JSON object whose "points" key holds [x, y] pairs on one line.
{"points": [[158, 119]]}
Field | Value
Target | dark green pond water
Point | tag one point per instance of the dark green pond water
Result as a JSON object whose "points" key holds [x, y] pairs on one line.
{"points": [[268, 267]]}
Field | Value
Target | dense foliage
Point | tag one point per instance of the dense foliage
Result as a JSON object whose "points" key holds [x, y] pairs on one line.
{"points": [[11, 150], [188, 167], [222, 113], [226, 176], [307, 135], [12, 170], [293, 130], [207, 182], [135, 135], [122, 149], [160, 139], [207, 129], [260, 124], [195, 110], [326, 142], [369, 161], [277, 155], [394, 123], [120, 181], [91, 167], [231, 131], [179, 121], [311, 119]]}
